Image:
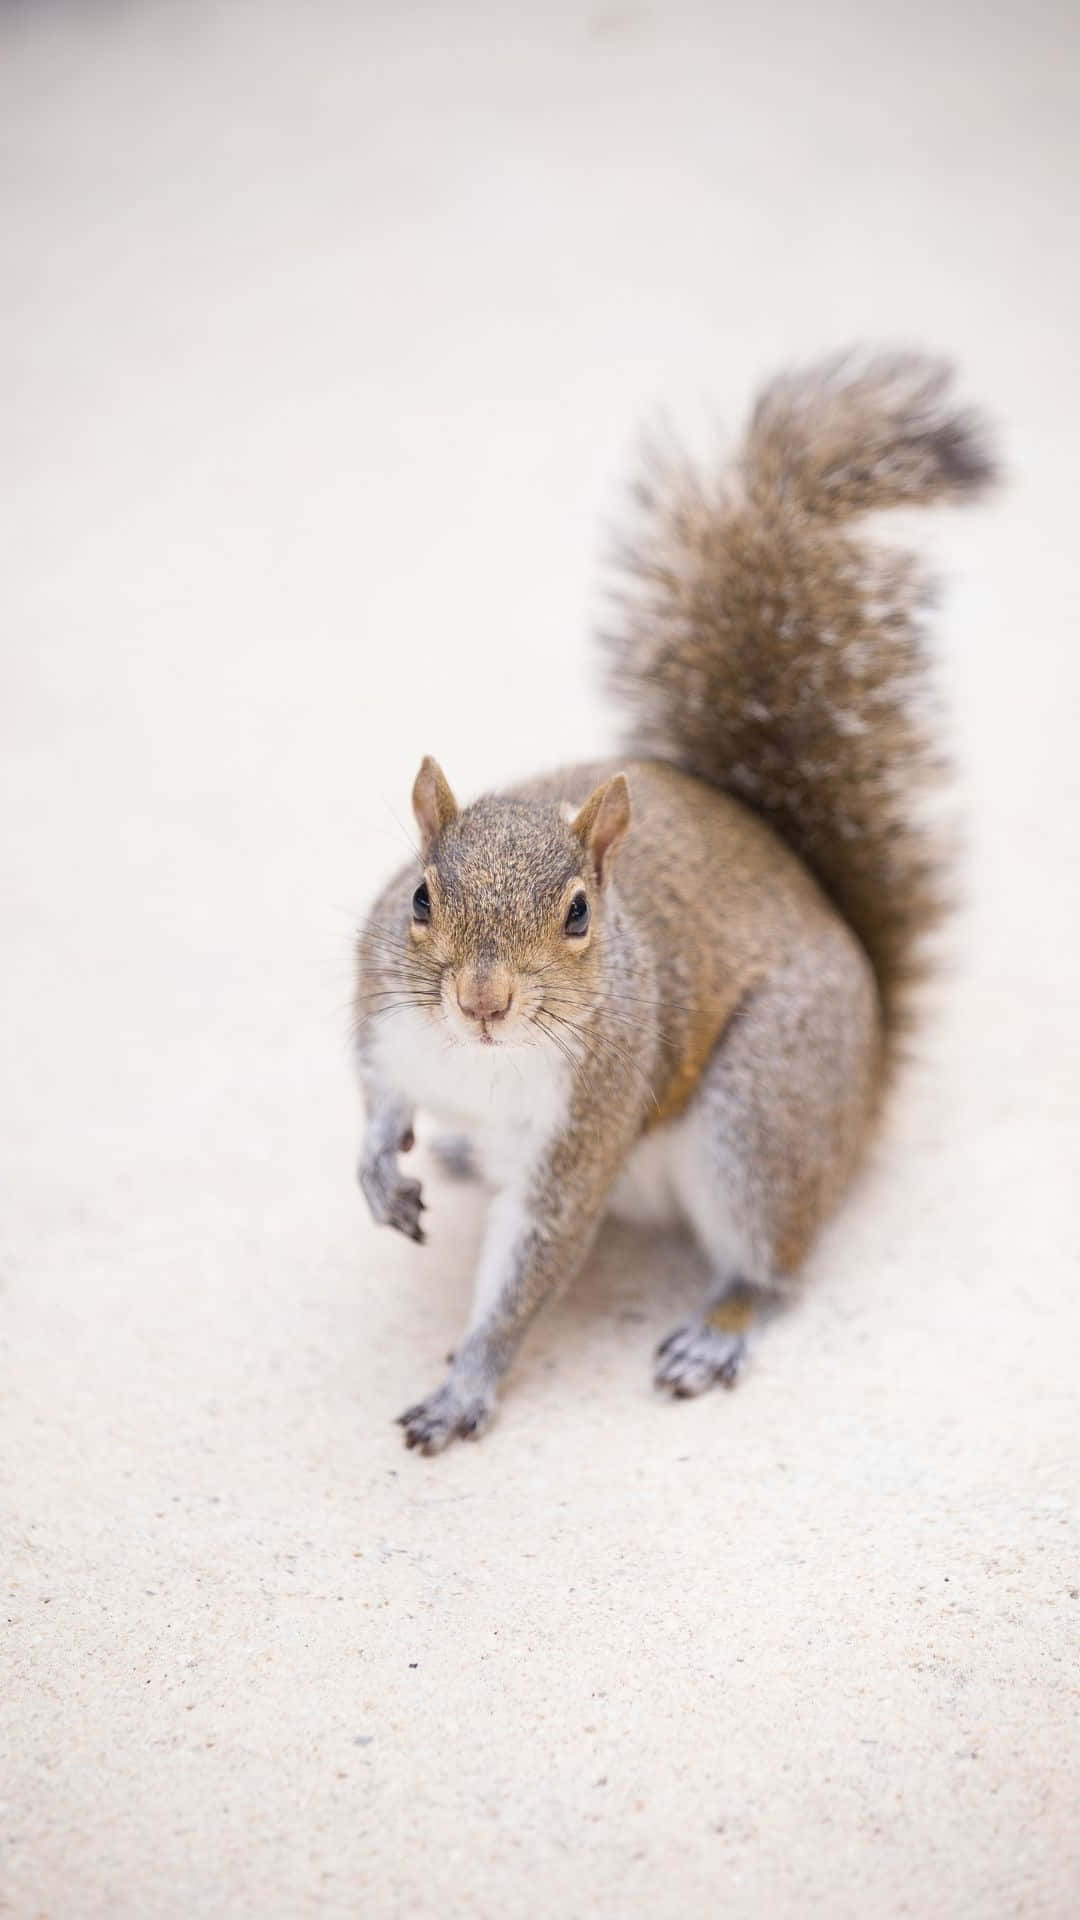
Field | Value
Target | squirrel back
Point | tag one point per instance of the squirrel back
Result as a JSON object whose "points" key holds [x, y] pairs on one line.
{"points": [[766, 649]]}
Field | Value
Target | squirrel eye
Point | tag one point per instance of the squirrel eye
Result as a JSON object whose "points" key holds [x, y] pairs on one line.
{"points": [[421, 904], [577, 919]]}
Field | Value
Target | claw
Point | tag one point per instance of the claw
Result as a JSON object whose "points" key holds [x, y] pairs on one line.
{"points": [[455, 1409], [393, 1202], [696, 1357]]}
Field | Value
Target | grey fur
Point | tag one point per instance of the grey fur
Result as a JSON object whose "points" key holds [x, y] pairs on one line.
{"points": [[734, 1006], [698, 1356], [394, 1201], [455, 1155]]}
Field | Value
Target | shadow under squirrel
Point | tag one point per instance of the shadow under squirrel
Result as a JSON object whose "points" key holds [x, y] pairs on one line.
{"points": [[672, 984]]}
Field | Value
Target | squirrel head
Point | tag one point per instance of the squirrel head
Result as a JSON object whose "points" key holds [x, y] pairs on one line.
{"points": [[506, 926]]}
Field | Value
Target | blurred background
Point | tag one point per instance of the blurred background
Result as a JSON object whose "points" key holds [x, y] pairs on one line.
{"points": [[328, 331]]}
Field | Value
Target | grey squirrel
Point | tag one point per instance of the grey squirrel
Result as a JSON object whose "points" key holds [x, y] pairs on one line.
{"points": [[673, 984]]}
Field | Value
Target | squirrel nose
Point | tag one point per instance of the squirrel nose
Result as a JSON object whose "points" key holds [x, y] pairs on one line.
{"points": [[484, 996]]}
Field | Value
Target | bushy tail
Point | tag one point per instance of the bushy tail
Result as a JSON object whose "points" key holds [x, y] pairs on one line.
{"points": [[764, 648]]}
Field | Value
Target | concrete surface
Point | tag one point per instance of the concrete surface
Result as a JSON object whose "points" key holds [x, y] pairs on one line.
{"points": [[327, 331]]}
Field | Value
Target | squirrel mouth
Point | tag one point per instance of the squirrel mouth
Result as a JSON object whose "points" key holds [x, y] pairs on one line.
{"points": [[491, 1032]]}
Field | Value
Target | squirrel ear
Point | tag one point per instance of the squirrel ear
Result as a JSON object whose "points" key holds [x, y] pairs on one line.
{"points": [[433, 803], [603, 821]]}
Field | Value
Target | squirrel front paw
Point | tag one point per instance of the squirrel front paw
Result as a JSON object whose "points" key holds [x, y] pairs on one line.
{"points": [[456, 1409], [394, 1202]]}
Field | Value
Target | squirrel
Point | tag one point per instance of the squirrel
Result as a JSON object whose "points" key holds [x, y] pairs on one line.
{"points": [[674, 985]]}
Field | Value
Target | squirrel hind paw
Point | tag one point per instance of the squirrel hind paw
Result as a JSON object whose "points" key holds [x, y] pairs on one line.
{"points": [[454, 1153], [696, 1357]]}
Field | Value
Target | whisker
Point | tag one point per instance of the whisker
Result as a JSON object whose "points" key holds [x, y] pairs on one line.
{"points": [[383, 1013], [376, 993], [605, 1042], [594, 1052], [658, 1000], [406, 835], [418, 989], [400, 963], [601, 1008], [403, 950], [396, 999], [412, 990], [403, 962], [535, 1020], [371, 1006]]}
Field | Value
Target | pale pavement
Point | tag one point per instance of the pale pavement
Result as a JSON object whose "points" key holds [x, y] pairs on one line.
{"points": [[327, 331]]}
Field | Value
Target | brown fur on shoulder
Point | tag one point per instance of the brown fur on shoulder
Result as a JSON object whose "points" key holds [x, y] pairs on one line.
{"points": [[766, 648]]}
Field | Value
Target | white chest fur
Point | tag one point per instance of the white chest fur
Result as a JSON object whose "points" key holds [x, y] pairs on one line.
{"points": [[645, 1193], [509, 1100]]}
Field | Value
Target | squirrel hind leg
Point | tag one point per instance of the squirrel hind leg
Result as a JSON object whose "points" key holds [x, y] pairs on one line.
{"points": [[767, 1147], [712, 1350], [454, 1153]]}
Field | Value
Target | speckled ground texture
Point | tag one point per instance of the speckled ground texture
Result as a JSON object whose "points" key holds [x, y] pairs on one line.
{"points": [[327, 333]]}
